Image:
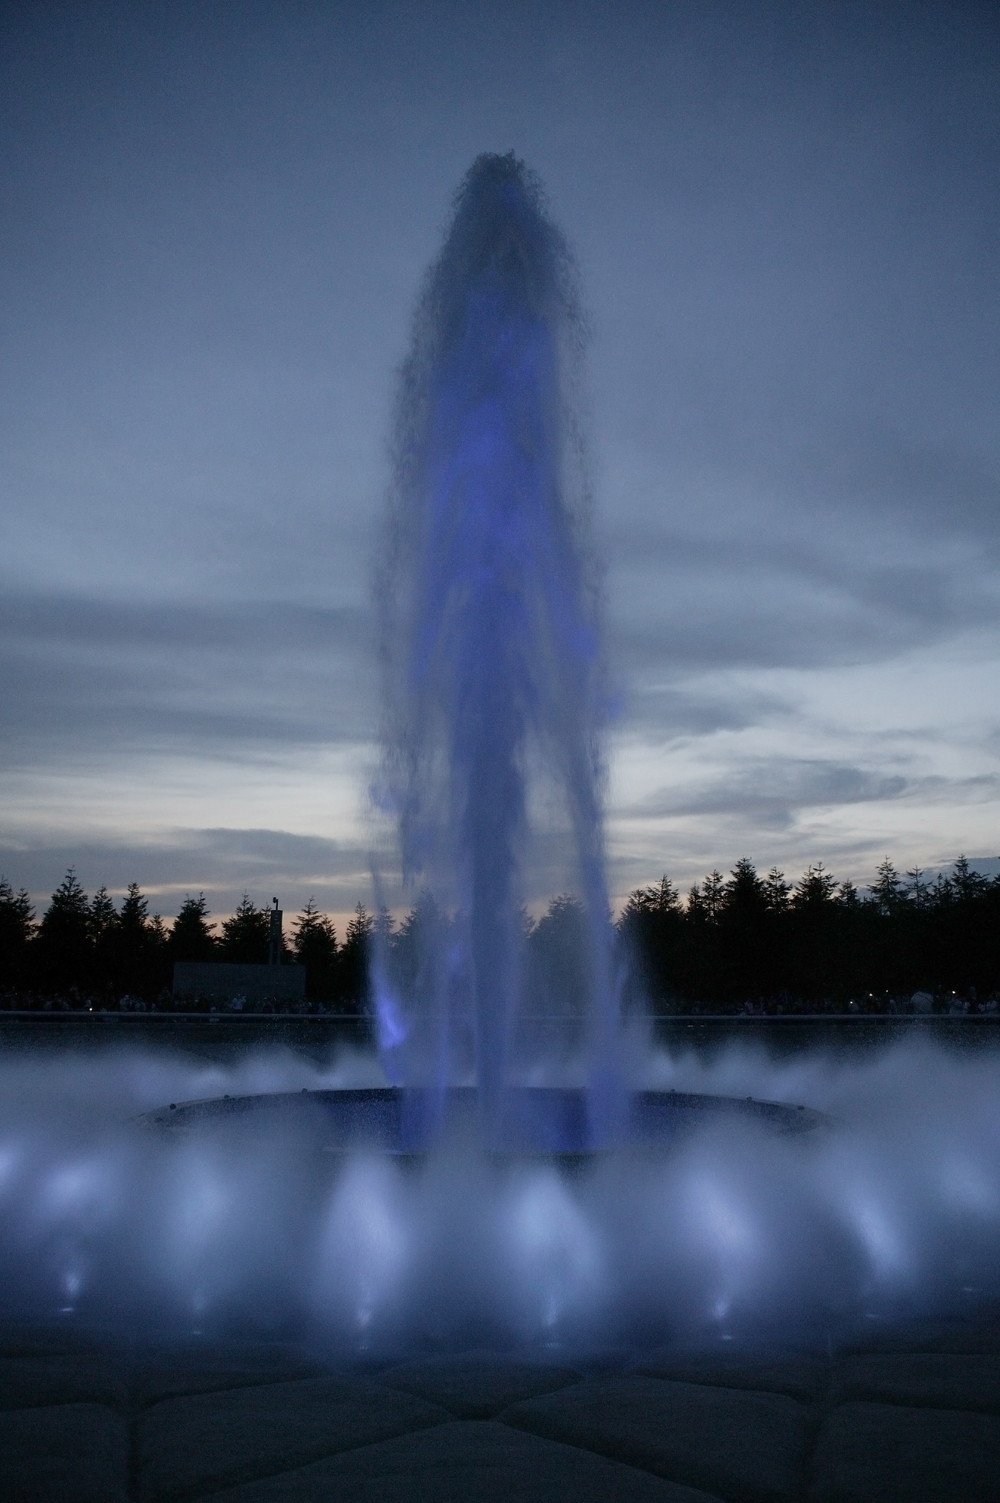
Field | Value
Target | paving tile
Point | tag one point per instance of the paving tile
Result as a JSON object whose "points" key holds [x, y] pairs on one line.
{"points": [[30, 1381], [883, 1452], [468, 1462], [174, 1370], [748, 1447], [798, 1377], [477, 1385], [207, 1441], [70, 1453], [940, 1380]]}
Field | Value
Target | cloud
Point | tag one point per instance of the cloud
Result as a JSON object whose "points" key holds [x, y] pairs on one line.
{"points": [[686, 603], [82, 673], [937, 486], [785, 236], [773, 791], [667, 712], [221, 862]]}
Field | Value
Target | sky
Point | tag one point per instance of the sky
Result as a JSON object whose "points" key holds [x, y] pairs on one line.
{"points": [[216, 221]]}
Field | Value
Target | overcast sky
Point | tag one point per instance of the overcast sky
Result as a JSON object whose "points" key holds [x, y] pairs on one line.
{"points": [[215, 222]]}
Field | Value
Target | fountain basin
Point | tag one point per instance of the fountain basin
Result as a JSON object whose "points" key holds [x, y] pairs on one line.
{"points": [[542, 1120]]}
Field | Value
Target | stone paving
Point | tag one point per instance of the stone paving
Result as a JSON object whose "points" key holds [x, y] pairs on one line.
{"points": [[912, 1416]]}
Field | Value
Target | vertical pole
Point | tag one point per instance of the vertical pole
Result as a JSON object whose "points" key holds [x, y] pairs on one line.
{"points": [[274, 935]]}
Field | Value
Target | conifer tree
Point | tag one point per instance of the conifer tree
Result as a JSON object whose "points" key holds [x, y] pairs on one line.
{"points": [[966, 883], [191, 935], [658, 900], [63, 943], [137, 946], [887, 889], [102, 915], [740, 944], [744, 892], [713, 895], [917, 890], [314, 945], [246, 936], [16, 930], [696, 910], [556, 956], [815, 886], [777, 891], [354, 960], [102, 924], [651, 932]]}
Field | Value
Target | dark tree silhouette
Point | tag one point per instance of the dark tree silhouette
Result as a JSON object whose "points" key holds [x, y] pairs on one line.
{"points": [[743, 935], [16, 931], [556, 957], [102, 925], [814, 930], [888, 892], [354, 961], [653, 941], [63, 950], [138, 944], [192, 937], [245, 936], [777, 891], [741, 941], [413, 949], [314, 945]]}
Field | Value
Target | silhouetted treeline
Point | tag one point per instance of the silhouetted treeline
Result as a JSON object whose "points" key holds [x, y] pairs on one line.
{"points": [[86, 952], [761, 943], [745, 942]]}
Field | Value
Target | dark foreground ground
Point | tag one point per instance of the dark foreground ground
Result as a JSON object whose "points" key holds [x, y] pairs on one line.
{"points": [[911, 1415]]}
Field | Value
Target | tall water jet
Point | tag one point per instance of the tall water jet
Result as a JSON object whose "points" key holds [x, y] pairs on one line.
{"points": [[491, 650]]}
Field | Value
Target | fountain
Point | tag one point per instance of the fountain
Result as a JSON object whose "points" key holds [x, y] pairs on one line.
{"points": [[493, 671], [486, 1179], [494, 712]]}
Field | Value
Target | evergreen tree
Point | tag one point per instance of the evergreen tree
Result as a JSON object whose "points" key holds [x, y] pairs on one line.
{"points": [[137, 947], [314, 945], [742, 941], [354, 961], [411, 954], [101, 915], [16, 930], [966, 884], [814, 887], [102, 925], [777, 892], [557, 955], [969, 946], [695, 909], [658, 901], [713, 895], [702, 962], [651, 935], [744, 892], [192, 937], [246, 936], [814, 935], [64, 951], [887, 889]]}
